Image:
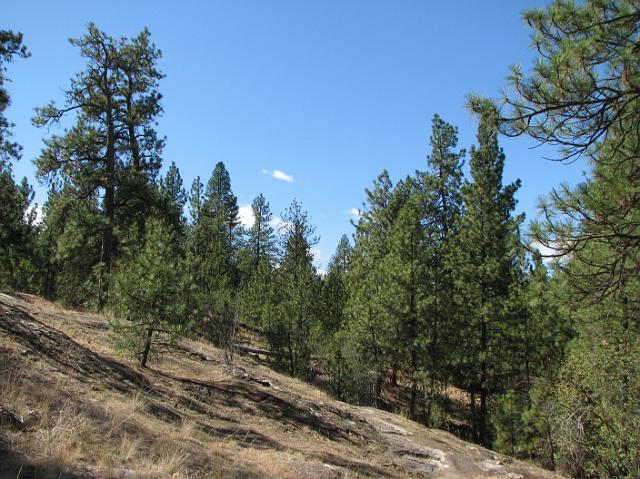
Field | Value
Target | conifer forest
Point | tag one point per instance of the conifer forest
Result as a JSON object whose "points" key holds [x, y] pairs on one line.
{"points": [[438, 305]]}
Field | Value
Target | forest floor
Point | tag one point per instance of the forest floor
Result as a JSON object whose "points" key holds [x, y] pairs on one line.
{"points": [[71, 407]]}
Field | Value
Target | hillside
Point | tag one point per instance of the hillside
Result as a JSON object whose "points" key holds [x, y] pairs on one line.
{"points": [[70, 407]]}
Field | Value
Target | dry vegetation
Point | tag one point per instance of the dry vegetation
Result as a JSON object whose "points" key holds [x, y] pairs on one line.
{"points": [[71, 407]]}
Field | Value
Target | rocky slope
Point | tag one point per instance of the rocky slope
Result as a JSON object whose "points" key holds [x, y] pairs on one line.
{"points": [[71, 407]]}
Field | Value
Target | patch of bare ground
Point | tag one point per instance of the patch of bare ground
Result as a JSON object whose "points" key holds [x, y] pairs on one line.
{"points": [[70, 407]]}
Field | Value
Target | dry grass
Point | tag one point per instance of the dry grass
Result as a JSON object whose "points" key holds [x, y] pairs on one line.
{"points": [[55, 428], [59, 436], [121, 411], [167, 460], [110, 433]]}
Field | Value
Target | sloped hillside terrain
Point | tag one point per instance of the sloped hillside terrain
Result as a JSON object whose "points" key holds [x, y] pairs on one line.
{"points": [[71, 407]]}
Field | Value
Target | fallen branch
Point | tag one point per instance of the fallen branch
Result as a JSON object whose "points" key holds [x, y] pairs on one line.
{"points": [[248, 349]]}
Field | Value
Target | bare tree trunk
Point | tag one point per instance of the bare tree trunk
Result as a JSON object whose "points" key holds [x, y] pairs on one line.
{"points": [[147, 348], [414, 386], [229, 338], [291, 359]]}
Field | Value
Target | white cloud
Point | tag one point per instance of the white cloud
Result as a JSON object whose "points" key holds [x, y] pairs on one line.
{"points": [[322, 272], [317, 254], [246, 216], [282, 176], [279, 224], [551, 252], [36, 210], [355, 212], [278, 175], [545, 251]]}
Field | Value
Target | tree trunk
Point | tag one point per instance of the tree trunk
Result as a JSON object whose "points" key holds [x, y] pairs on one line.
{"points": [[394, 374], [291, 360], [482, 419], [473, 419], [414, 354], [414, 396], [147, 348]]}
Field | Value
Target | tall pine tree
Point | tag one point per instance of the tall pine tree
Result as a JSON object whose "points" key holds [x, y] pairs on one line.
{"points": [[482, 262], [112, 149]]}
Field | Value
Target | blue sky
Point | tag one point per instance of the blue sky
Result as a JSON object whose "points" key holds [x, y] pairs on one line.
{"points": [[325, 94]]}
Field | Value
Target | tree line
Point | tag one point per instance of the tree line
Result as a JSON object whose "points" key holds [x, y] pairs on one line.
{"points": [[438, 299]]}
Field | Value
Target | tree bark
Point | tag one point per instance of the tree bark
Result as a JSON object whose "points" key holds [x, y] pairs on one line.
{"points": [[482, 419], [147, 348]]}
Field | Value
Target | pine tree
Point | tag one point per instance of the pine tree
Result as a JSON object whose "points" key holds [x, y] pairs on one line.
{"points": [[17, 229], [582, 95], [335, 290], [584, 81], [444, 176], [10, 47], [370, 324], [295, 323], [112, 147], [220, 204], [257, 297], [406, 272], [535, 350], [212, 259], [593, 226], [152, 294], [261, 240], [71, 236], [349, 378], [195, 199], [173, 199], [482, 264], [141, 106], [17, 233], [441, 190]]}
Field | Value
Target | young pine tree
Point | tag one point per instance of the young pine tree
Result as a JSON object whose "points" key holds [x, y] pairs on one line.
{"points": [[152, 294], [296, 321], [335, 291], [256, 298]]}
